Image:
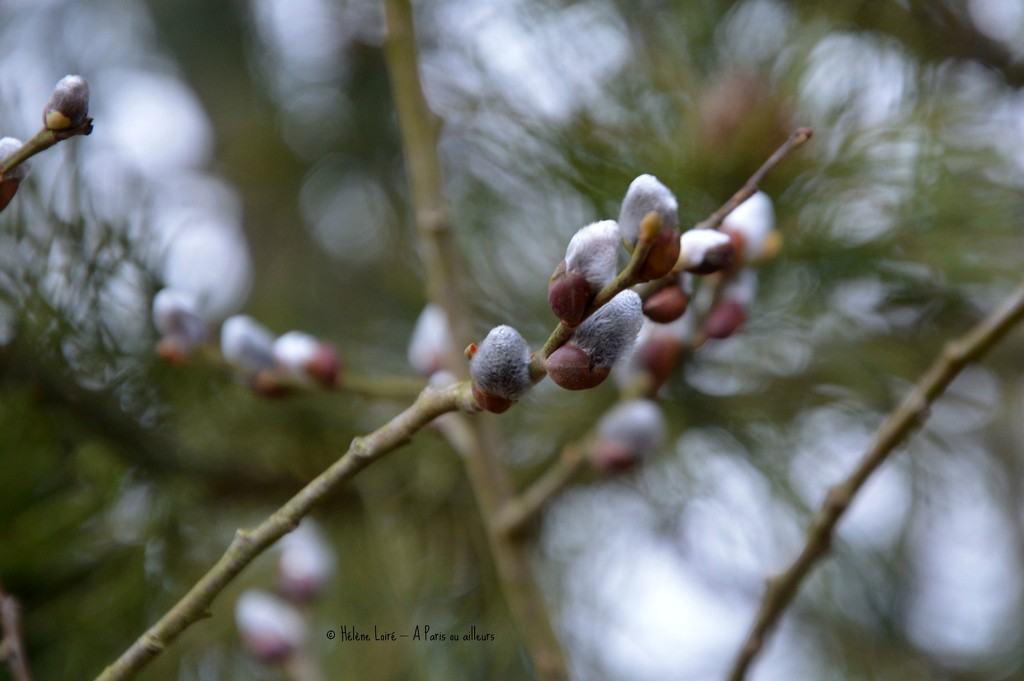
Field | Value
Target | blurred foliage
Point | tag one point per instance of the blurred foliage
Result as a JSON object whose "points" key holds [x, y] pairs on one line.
{"points": [[122, 479]]}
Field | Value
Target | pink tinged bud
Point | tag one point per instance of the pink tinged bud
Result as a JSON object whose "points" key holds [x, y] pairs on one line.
{"points": [[626, 434], [305, 564], [305, 357], [646, 194], [703, 251], [11, 180], [177, 319], [69, 104], [429, 342], [593, 252], [751, 225], [658, 357], [569, 295], [271, 629], [608, 334], [246, 344], [500, 368]]}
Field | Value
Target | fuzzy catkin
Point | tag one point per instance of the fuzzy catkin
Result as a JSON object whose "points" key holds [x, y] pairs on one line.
{"points": [[593, 251], [501, 365], [608, 334], [637, 425], [646, 194]]}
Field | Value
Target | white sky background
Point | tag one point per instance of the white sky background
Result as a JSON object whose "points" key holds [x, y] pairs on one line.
{"points": [[641, 606]]}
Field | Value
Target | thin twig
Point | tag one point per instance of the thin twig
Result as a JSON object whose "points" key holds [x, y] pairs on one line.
{"points": [[957, 354], [795, 141], [12, 649], [41, 141], [249, 543]]}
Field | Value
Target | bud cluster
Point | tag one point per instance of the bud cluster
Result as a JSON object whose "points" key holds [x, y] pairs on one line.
{"points": [[273, 365]]}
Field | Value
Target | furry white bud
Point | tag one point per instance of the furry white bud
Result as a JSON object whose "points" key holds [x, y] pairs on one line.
{"points": [[754, 219], [705, 250], [246, 344], [430, 341], [627, 433], [608, 334], [306, 562], [593, 251], [646, 194], [271, 629], [9, 145], [177, 318], [501, 365], [305, 357], [69, 104]]}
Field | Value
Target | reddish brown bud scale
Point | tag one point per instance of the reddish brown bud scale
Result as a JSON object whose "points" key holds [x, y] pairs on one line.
{"points": [[495, 404], [569, 295], [571, 368], [267, 383], [324, 366], [613, 457], [659, 357], [662, 257], [739, 248], [667, 304], [724, 319], [8, 188]]}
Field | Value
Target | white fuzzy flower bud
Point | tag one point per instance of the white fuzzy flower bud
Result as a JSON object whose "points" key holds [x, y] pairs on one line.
{"points": [[306, 562], [246, 344], [753, 220], [9, 145], [593, 251], [608, 334], [271, 629], [501, 365], [646, 194], [705, 250], [628, 433], [177, 318], [303, 356], [69, 104], [430, 341]]}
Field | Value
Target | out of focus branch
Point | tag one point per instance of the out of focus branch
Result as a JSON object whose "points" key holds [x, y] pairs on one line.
{"points": [[481, 451], [12, 650], [900, 424], [528, 505], [249, 543]]}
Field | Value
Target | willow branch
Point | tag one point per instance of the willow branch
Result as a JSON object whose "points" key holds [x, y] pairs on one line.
{"points": [[900, 424], [418, 126], [249, 543], [12, 650], [487, 475]]}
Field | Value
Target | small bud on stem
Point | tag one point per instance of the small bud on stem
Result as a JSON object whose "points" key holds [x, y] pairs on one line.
{"points": [[500, 368], [68, 107]]}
